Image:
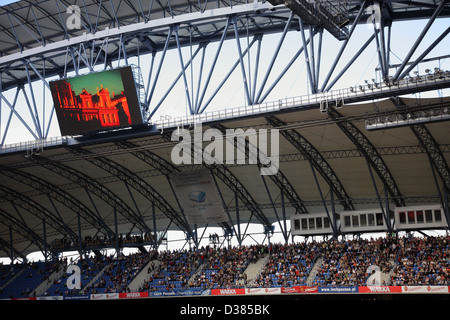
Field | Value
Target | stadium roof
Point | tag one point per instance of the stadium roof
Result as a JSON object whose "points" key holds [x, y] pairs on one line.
{"points": [[47, 194], [82, 187], [37, 30]]}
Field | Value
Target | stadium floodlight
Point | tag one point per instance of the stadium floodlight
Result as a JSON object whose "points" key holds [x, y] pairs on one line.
{"points": [[406, 119]]}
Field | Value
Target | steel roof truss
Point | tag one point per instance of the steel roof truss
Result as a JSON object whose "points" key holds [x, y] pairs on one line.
{"points": [[371, 153]]}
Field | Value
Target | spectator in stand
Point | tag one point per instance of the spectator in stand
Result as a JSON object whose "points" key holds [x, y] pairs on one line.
{"points": [[422, 261], [405, 261], [288, 265]]}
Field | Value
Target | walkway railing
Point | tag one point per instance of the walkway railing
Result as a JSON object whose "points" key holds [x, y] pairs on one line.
{"points": [[368, 91]]}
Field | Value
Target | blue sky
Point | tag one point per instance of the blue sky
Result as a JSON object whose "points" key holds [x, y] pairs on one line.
{"points": [[5, 2]]}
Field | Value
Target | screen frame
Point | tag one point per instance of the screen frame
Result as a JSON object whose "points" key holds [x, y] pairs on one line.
{"points": [[78, 127]]}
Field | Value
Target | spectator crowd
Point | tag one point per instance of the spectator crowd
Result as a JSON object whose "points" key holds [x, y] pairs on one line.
{"points": [[403, 260]]}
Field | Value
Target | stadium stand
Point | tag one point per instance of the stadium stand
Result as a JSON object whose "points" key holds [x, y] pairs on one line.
{"points": [[20, 280], [224, 268], [406, 260], [118, 273], [345, 263], [422, 261], [89, 269], [288, 265]]}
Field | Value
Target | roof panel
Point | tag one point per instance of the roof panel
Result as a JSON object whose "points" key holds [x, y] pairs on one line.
{"points": [[398, 147], [413, 174], [354, 175]]}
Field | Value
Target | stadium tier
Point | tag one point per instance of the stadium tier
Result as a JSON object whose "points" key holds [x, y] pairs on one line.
{"points": [[294, 129], [385, 264]]}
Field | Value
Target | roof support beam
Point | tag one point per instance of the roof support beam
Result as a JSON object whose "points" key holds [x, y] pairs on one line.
{"points": [[420, 38], [344, 44], [332, 219], [154, 24], [278, 178], [9, 249], [434, 152], [37, 210], [241, 60], [274, 57], [220, 85], [437, 163], [386, 214], [137, 183], [163, 166], [63, 197], [21, 228], [316, 158], [88, 184], [283, 231], [221, 171], [425, 53], [370, 153], [443, 200], [231, 228]]}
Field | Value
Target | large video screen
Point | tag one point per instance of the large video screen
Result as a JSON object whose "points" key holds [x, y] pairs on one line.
{"points": [[96, 102]]}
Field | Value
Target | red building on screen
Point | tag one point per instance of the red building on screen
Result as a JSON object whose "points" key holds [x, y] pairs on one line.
{"points": [[102, 108]]}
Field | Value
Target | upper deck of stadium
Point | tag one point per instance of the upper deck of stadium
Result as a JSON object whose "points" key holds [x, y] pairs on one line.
{"points": [[326, 162], [343, 150], [37, 30]]}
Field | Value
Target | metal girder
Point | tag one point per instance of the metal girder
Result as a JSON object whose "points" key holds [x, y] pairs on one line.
{"points": [[370, 153], [22, 229], [160, 164], [137, 183], [321, 13], [138, 35], [5, 246], [434, 152], [37, 210], [90, 184], [155, 161], [438, 162], [438, 10], [163, 166], [278, 178], [213, 15], [207, 26], [318, 161], [221, 171], [60, 195], [235, 185], [39, 23], [224, 174], [242, 193]]}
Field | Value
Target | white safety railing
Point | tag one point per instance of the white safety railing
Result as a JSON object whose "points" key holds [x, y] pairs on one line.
{"points": [[33, 145], [370, 90], [333, 96]]}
